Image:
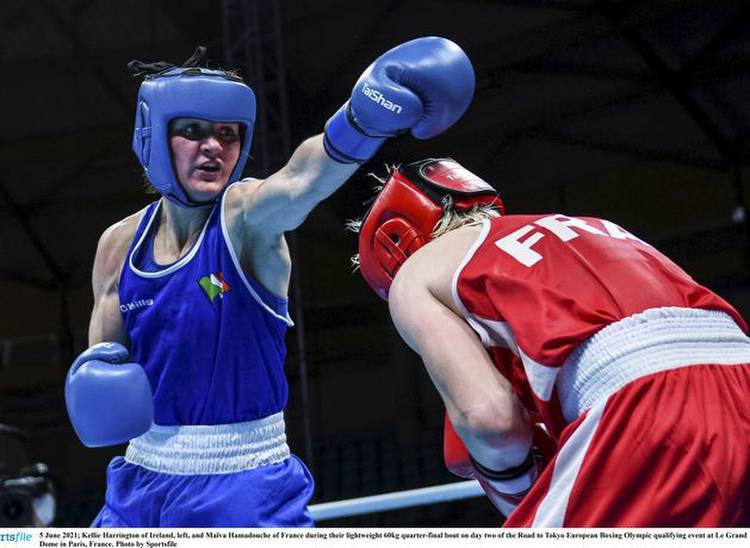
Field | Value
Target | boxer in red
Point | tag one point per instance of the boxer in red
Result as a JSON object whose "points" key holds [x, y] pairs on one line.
{"points": [[639, 373]]}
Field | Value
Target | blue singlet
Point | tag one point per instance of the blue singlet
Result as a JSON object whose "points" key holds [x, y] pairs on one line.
{"points": [[211, 340]]}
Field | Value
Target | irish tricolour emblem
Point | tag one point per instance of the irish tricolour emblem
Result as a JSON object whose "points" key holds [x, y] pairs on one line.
{"points": [[214, 286]]}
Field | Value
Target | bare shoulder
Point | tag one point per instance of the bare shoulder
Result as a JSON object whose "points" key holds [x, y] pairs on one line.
{"points": [[239, 192], [113, 246], [238, 199], [432, 267], [262, 253], [240, 212], [420, 299]]}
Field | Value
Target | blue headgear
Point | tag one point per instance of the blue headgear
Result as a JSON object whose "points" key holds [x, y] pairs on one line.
{"points": [[187, 92]]}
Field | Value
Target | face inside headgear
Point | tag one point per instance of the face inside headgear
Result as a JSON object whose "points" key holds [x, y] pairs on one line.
{"points": [[186, 92], [194, 129], [407, 209]]}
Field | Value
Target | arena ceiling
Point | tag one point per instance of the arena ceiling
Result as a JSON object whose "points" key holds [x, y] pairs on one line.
{"points": [[636, 111], [633, 110]]}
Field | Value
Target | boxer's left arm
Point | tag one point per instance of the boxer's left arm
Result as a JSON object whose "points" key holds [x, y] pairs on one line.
{"points": [[281, 202], [422, 86]]}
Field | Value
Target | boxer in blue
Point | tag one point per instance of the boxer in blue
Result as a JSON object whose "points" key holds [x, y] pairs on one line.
{"points": [[190, 309]]}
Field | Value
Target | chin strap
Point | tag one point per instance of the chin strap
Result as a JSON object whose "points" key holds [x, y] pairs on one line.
{"points": [[195, 205]]}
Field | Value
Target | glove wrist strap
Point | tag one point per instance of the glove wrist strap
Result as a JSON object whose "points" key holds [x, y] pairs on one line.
{"points": [[512, 481], [508, 473], [345, 142]]}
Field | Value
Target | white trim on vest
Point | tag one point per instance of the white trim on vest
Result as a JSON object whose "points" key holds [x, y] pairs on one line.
{"points": [[235, 260], [551, 511], [182, 261]]}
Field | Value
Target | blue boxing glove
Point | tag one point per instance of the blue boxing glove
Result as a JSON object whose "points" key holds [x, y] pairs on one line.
{"points": [[423, 85], [109, 401]]}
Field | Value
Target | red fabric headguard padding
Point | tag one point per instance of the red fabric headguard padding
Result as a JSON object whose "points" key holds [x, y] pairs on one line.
{"points": [[404, 215]]}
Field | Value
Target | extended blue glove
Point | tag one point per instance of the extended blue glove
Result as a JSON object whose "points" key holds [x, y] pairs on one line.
{"points": [[109, 401], [423, 85]]}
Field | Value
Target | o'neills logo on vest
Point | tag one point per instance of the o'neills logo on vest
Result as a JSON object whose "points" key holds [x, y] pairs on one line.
{"points": [[134, 305]]}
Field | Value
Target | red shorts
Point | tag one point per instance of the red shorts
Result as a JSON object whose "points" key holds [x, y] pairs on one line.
{"points": [[669, 449]]}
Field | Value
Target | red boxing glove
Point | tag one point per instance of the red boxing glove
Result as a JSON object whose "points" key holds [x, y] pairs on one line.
{"points": [[506, 488], [458, 461], [455, 454]]}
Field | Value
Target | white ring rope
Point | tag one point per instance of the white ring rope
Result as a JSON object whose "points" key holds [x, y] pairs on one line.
{"points": [[398, 499]]}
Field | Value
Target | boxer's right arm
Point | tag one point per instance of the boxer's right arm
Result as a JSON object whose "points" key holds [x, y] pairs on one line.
{"points": [[109, 401], [106, 319], [481, 403], [489, 419]]}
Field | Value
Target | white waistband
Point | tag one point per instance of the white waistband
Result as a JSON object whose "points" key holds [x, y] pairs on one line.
{"points": [[211, 449], [652, 341]]}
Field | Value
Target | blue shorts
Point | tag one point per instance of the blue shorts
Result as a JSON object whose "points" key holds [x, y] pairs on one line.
{"points": [[274, 495]]}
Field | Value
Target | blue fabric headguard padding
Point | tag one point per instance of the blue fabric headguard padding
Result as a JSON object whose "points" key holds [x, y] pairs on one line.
{"points": [[193, 92]]}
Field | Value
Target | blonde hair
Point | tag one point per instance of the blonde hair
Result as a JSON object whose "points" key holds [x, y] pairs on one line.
{"points": [[453, 218]]}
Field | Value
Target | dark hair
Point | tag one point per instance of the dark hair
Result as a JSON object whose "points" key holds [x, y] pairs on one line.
{"points": [[198, 59]]}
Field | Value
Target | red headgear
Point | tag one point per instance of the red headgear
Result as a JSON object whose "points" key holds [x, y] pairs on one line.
{"points": [[404, 215]]}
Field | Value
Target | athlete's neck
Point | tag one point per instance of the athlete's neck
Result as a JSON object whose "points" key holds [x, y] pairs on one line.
{"points": [[179, 227]]}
